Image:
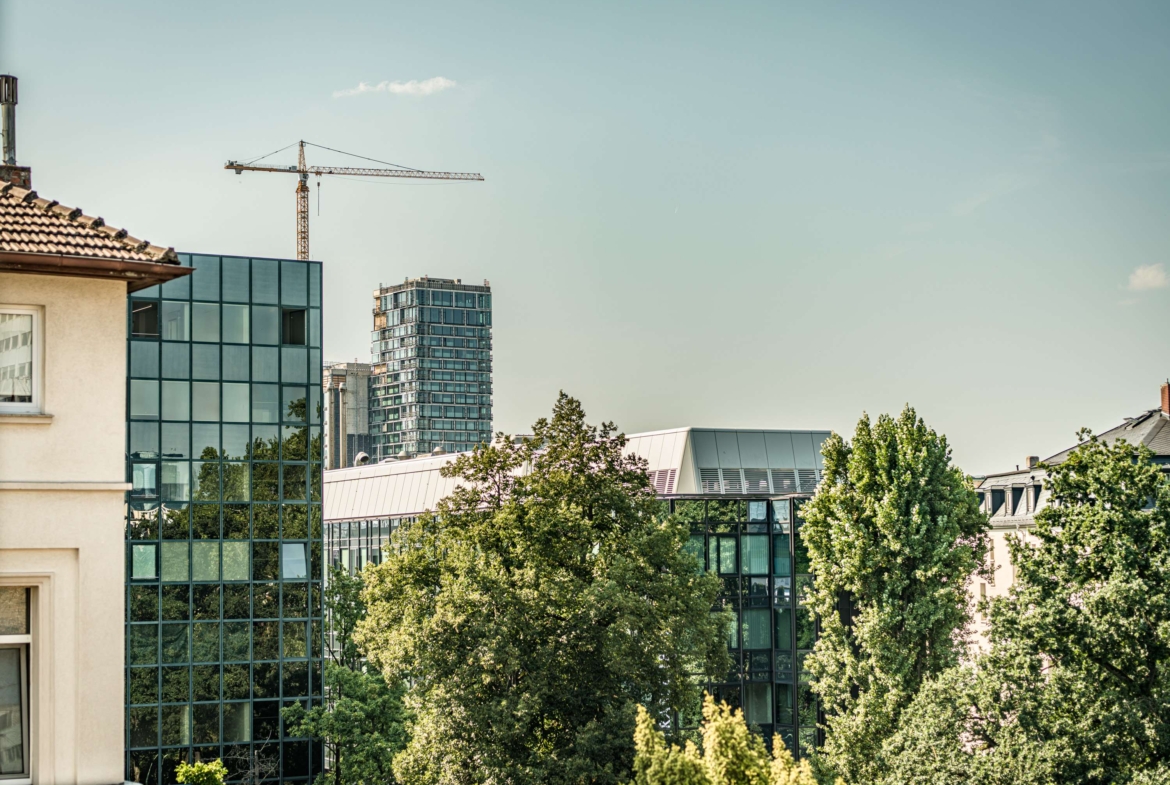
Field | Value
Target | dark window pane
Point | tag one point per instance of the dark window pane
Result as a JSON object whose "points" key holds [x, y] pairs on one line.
{"points": [[143, 727], [143, 685], [176, 685], [293, 327], [144, 319]]}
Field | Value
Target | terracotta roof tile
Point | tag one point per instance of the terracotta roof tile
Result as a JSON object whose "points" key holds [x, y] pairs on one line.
{"points": [[30, 224]]}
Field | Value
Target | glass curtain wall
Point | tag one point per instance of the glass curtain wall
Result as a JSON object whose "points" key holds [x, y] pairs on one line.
{"points": [[223, 531], [754, 545]]}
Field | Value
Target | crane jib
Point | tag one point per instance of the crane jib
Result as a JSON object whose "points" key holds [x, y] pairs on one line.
{"points": [[304, 171]]}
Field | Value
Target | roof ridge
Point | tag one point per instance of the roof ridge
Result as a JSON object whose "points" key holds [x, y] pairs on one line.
{"points": [[97, 224]]}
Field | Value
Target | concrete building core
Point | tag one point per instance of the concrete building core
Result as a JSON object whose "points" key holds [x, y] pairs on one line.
{"points": [[347, 413]]}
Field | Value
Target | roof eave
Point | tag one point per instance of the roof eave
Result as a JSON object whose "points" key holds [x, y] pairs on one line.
{"points": [[138, 275]]}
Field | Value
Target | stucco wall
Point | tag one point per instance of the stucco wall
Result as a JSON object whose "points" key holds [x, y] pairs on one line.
{"points": [[61, 527], [85, 381]]}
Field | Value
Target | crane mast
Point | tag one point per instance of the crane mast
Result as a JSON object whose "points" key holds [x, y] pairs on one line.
{"points": [[302, 205], [302, 170]]}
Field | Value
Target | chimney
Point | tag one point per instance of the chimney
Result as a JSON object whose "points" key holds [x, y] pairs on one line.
{"points": [[1031, 461], [20, 176], [1166, 398]]}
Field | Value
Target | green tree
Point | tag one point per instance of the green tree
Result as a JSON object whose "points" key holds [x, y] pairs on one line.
{"points": [[201, 773], [363, 720], [1076, 685], [536, 609], [731, 754], [896, 531]]}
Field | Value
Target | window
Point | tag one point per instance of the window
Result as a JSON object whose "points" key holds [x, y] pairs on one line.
{"points": [[144, 562], [14, 710], [755, 554], [292, 561], [20, 359], [292, 327], [144, 319]]}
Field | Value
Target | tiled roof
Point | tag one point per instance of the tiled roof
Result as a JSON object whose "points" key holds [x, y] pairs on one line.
{"points": [[32, 225]]}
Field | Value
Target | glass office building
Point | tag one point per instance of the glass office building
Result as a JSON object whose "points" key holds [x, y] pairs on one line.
{"points": [[739, 491], [223, 524], [431, 381]]}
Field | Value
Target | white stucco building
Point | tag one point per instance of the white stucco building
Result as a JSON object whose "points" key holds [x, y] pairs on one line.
{"points": [[64, 277]]}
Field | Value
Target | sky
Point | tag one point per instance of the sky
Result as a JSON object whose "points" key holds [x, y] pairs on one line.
{"points": [[752, 215]]}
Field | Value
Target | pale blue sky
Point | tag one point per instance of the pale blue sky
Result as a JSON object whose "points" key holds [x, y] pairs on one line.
{"points": [[731, 215]]}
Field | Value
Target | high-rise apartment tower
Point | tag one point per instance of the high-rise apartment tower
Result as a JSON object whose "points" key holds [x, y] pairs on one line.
{"points": [[431, 380]]}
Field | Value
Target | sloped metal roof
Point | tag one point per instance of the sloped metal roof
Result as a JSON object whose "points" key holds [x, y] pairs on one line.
{"points": [[682, 461]]}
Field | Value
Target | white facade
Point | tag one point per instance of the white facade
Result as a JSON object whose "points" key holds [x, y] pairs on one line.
{"points": [[62, 529], [682, 461]]}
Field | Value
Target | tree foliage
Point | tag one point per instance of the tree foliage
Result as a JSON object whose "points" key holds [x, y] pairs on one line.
{"points": [[200, 773], [731, 754], [895, 528], [363, 721], [1076, 686], [546, 598]]}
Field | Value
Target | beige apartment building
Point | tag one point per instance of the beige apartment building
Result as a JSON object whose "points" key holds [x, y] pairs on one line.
{"points": [[1011, 499], [64, 277]]}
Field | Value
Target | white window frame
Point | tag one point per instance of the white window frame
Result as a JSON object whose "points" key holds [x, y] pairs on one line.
{"points": [[21, 643], [38, 375]]}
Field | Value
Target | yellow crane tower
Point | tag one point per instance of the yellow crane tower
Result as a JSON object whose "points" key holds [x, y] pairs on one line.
{"points": [[304, 171]]}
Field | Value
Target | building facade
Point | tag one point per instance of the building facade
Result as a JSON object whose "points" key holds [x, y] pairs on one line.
{"points": [[64, 279], [740, 492], [1011, 499], [222, 533], [347, 413], [431, 381]]}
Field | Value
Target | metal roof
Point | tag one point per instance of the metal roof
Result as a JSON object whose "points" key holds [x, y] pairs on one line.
{"points": [[683, 461]]}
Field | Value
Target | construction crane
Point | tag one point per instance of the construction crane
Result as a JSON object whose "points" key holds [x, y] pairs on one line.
{"points": [[303, 171]]}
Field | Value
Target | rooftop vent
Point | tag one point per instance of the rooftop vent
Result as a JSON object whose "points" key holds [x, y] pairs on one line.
{"points": [[19, 176]]}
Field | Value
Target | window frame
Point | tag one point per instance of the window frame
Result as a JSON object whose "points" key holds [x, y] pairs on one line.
{"points": [[36, 406], [22, 643]]}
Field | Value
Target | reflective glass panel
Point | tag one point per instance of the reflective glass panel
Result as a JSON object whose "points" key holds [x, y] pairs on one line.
{"points": [[205, 322], [235, 363], [176, 321], [235, 324]]}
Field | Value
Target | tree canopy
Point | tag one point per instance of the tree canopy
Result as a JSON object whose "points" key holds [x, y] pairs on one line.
{"points": [[894, 532], [731, 754], [1076, 685], [545, 599], [362, 722]]}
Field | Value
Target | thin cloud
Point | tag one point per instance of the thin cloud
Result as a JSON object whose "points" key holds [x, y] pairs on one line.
{"points": [[1148, 276], [999, 186], [436, 84]]}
